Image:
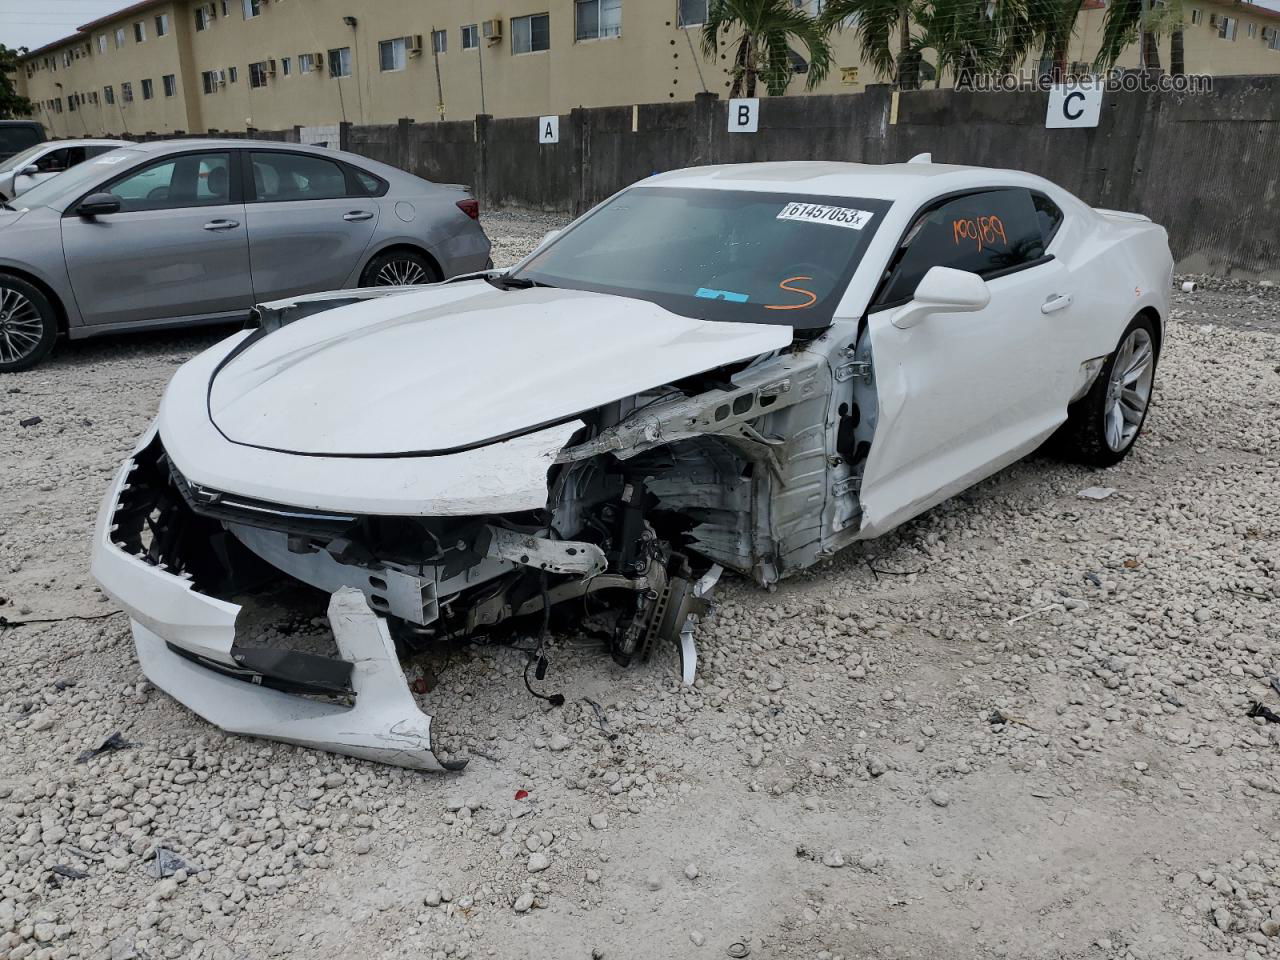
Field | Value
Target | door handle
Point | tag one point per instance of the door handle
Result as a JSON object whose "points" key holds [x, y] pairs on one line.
{"points": [[355, 216], [1059, 301], [222, 224]]}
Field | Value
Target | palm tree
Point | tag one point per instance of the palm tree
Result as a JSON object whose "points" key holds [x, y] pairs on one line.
{"points": [[766, 29], [963, 34], [1127, 21], [874, 23]]}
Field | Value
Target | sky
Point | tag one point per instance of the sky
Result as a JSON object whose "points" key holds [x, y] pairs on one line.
{"points": [[33, 23]]}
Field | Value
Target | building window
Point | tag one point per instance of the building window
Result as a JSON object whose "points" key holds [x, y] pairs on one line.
{"points": [[251, 8], [340, 62], [102, 43], [693, 12], [162, 24], [202, 18], [391, 55], [126, 92], [594, 19], [233, 74], [470, 37], [140, 32], [71, 103], [109, 95], [119, 37], [286, 66], [1227, 27], [1251, 30], [209, 81], [1197, 16], [531, 34], [439, 41], [1273, 38], [258, 74], [170, 83], [307, 62], [148, 90]]}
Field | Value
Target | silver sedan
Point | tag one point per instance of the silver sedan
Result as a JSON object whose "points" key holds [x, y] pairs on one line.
{"points": [[179, 232]]}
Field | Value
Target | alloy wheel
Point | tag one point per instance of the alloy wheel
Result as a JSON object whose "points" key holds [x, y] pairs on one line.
{"points": [[21, 326], [1129, 392], [400, 273]]}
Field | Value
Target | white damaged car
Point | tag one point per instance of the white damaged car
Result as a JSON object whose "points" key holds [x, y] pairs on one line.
{"points": [[744, 367]]}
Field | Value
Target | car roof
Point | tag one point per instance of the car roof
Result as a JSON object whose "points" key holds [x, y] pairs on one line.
{"points": [[86, 142], [231, 143], [913, 181]]}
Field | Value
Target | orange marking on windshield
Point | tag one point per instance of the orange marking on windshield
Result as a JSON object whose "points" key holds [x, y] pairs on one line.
{"points": [[813, 297], [984, 231]]}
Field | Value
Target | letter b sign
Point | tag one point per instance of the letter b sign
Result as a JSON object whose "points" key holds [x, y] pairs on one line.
{"points": [[744, 115]]}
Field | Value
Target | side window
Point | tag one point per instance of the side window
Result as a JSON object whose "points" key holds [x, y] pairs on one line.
{"points": [[55, 161], [1049, 215], [979, 232], [194, 180], [296, 176], [371, 185]]}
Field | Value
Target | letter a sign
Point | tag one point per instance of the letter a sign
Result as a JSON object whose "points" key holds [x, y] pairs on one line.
{"points": [[1073, 105], [744, 115], [548, 129]]}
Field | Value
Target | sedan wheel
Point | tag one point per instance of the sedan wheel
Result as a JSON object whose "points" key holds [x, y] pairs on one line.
{"points": [[1103, 425], [27, 325], [400, 273]]}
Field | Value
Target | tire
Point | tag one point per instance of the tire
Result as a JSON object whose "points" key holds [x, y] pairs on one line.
{"points": [[398, 268], [28, 325], [1103, 425]]}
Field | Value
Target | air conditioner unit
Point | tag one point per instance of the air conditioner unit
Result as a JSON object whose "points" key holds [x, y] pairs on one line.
{"points": [[271, 68], [492, 29], [413, 45], [319, 60], [1213, 19], [221, 78], [1267, 33]]}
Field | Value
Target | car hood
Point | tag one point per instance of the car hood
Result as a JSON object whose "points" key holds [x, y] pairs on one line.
{"points": [[458, 366]]}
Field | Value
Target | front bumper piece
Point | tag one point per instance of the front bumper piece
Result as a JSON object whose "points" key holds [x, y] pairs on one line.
{"points": [[177, 631]]}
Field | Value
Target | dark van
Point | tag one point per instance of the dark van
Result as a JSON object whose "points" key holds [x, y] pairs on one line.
{"points": [[17, 135]]}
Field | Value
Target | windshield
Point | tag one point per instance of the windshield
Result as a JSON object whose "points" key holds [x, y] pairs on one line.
{"points": [[77, 180], [20, 160], [717, 254]]}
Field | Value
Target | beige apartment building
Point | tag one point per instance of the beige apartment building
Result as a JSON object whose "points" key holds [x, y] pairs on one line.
{"points": [[178, 65]]}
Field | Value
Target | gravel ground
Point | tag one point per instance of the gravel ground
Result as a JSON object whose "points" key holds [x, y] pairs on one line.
{"points": [[1014, 728]]}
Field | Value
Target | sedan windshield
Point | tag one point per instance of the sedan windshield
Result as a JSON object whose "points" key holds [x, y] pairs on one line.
{"points": [[55, 191], [20, 160], [731, 255]]}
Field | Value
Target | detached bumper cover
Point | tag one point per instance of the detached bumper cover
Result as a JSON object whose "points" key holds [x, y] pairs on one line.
{"points": [[384, 725]]}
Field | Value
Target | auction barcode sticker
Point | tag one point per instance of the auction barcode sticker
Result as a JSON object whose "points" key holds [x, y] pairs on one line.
{"points": [[846, 217]]}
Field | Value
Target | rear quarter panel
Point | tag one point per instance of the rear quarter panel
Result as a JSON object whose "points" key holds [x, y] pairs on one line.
{"points": [[1119, 266], [429, 218]]}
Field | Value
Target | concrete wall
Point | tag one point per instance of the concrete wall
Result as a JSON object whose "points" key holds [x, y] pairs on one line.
{"points": [[1206, 166]]}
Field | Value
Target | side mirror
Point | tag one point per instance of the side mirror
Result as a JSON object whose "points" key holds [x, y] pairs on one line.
{"points": [[97, 204], [943, 290], [30, 170]]}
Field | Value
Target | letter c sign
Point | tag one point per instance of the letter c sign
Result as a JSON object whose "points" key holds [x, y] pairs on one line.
{"points": [[1073, 105], [744, 115]]}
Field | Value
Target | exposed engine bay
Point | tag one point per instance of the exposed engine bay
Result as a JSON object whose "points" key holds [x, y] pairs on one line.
{"points": [[750, 467]]}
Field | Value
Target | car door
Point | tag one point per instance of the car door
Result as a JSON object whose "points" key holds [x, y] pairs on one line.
{"points": [[307, 232], [177, 248], [962, 395]]}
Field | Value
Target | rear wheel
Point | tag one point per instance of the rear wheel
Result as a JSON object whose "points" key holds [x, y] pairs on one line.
{"points": [[1103, 426], [398, 268], [28, 325]]}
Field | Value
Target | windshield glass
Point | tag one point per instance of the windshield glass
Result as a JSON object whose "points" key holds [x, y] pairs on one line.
{"points": [[65, 186], [20, 160], [717, 254]]}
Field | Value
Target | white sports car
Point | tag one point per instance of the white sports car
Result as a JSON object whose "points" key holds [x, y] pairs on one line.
{"points": [[744, 367]]}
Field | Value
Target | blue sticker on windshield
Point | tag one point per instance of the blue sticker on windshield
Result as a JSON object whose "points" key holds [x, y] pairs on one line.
{"points": [[708, 294]]}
